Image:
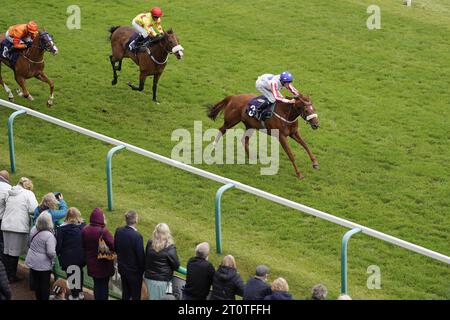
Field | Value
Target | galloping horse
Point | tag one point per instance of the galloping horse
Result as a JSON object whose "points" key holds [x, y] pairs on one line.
{"points": [[30, 63], [284, 119], [152, 61]]}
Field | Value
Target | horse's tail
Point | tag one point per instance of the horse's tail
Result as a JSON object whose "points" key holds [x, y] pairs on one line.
{"points": [[214, 110], [111, 31]]}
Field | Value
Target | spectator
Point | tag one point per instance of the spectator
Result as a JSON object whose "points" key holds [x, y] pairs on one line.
{"points": [[5, 290], [161, 260], [69, 248], [344, 297], [20, 203], [200, 274], [59, 290], [130, 257], [41, 254], [256, 287], [56, 206], [227, 282], [5, 186], [319, 292], [280, 290], [100, 270]]}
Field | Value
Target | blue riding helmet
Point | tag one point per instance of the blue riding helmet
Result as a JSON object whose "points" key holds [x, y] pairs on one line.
{"points": [[286, 76]]}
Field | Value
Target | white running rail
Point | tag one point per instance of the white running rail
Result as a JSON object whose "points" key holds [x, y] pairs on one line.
{"points": [[260, 193]]}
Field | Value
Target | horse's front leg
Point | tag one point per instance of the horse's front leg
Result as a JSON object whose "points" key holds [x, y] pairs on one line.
{"points": [[296, 137], [155, 86], [284, 143], [143, 75], [7, 89], [43, 77], [24, 93], [113, 65]]}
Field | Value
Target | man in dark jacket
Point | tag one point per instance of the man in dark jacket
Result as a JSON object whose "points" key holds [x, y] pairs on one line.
{"points": [[5, 290], [256, 287], [200, 274], [130, 257]]}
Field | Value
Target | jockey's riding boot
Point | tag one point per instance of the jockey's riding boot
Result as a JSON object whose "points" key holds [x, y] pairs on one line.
{"points": [[134, 42]]}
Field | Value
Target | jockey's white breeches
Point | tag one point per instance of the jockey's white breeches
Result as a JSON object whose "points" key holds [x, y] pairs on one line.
{"points": [[10, 39], [139, 29], [263, 86]]}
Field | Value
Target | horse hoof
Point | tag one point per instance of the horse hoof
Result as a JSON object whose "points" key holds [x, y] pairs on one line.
{"points": [[49, 103], [156, 102], [11, 99], [300, 176], [316, 166], [114, 82], [30, 97]]}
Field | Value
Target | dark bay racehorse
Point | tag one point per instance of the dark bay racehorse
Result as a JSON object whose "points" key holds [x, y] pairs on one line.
{"points": [[30, 63], [284, 119], [151, 61]]}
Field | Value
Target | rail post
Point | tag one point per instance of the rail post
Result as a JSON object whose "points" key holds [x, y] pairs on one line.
{"points": [[11, 118], [219, 193], [109, 174], [345, 240]]}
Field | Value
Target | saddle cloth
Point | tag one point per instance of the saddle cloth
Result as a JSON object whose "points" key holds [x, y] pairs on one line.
{"points": [[258, 108], [8, 53]]}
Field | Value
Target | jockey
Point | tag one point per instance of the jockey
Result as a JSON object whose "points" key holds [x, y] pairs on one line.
{"points": [[22, 35], [147, 25], [270, 85]]}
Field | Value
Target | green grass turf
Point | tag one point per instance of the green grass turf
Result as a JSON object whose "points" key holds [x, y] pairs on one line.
{"points": [[383, 146]]}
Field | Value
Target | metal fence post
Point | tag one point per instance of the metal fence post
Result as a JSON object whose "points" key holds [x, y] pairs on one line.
{"points": [[219, 193], [109, 175], [11, 138], [345, 240]]}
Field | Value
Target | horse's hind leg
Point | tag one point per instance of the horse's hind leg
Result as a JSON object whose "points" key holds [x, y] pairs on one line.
{"points": [[113, 65], [155, 86], [7, 89], [24, 93], [43, 77], [296, 137]]}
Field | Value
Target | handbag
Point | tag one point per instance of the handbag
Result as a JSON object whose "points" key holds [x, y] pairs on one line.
{"points": [[104, 253]]}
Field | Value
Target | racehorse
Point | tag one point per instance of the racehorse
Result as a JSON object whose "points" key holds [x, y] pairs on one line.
{"points": [[30, 63], [284, 119], [151, 61]]}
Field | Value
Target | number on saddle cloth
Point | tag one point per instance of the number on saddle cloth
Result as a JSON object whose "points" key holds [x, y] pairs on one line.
{"points": [[257, 108], [8, 52]]}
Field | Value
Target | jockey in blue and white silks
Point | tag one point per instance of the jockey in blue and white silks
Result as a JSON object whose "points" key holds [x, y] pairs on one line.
{"points": [[270, 85]]}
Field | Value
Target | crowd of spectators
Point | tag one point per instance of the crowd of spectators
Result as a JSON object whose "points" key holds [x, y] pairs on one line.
{"points": [[51, 232]]}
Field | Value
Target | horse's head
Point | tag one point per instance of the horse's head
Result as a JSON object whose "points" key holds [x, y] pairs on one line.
{"points": [[46, 43], [307, 112], [172, 44]]}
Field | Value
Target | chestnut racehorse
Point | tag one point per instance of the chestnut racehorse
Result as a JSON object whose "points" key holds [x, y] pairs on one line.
{"points": [[284, 119], [151, 61], [30, 63]]}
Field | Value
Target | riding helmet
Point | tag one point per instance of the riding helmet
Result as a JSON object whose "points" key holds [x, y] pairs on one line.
{"points": [[157, 12], [286, 77], [32, 27]]}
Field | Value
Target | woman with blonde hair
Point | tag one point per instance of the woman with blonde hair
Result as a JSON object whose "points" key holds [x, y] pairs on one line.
{"points": [[53, 203], [41, 254], [20, 202], [69, 248], [161, 260], [227, 282], [280, 290]]}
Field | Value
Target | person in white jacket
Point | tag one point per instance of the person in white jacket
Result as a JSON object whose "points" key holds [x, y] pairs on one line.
{"points": [[5, 186], [20, 202]]}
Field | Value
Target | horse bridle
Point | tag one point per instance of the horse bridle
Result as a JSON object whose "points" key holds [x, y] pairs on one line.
{"points": [[174, 49], [41, 47]]}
